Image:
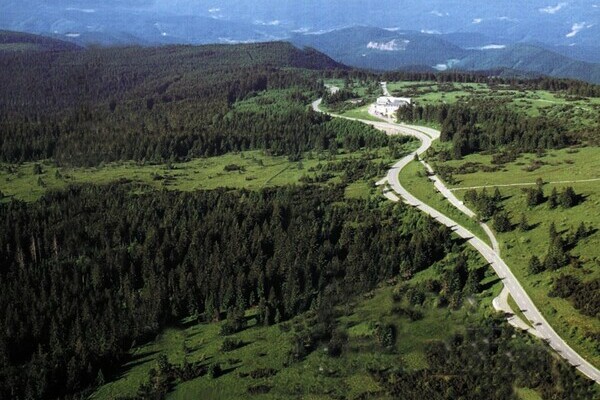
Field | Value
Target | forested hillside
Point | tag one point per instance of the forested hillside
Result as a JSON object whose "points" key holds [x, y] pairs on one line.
{"points": [[88, 271], [101, 105]]}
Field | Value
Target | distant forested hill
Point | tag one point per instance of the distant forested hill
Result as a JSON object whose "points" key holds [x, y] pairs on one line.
{"points": [[17, 41], [381, 49], [100, 105]]}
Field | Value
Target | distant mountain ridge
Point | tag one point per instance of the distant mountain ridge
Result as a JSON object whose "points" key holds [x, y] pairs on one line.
{"points": [[101, 24], [570, 26], [381, 49], [523, 57]]}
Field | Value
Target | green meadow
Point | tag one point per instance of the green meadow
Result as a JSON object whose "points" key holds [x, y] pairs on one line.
{"points": [[565, 165], [249, 170]]}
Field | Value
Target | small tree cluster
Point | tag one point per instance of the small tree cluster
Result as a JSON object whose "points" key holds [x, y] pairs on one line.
{"points": [[535, 197], [585, 295], [565, 286], [501, 222], [215, 370], [37, 169], [386, 335], [485, 205], [337, 343], [230, 344], [301, 346], [557, 256], [568, 198], [582, 232], [339, 96], [164, 375], [524, 224], [236, 322], [553, 199], [535, 265]]}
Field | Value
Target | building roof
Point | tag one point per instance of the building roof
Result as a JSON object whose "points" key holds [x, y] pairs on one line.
{"points": [[393, 101]]}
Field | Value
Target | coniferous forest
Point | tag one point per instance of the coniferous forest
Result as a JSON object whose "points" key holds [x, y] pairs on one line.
{"points": [[102, 105], [89, 271]]}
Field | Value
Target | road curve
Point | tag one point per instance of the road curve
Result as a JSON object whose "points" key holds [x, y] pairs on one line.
{"points": [[543, 328], [500, 303]]}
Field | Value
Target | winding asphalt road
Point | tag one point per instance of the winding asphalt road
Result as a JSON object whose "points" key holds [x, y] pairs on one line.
{"points": [[427, 136], [384, 88]]}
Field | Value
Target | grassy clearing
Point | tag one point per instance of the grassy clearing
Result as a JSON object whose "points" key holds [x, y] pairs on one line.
{"points": [[257, 170], [209, 173], [517, 310], [573, 164], [317, 376], [518, 246], [429, 92], [361, 112], [415, 180], [361, 88], [360, 190], [528, 394], [335, 82]]}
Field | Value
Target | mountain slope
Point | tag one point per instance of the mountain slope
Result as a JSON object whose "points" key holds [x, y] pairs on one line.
{"points": [[469, 40], [530, 58], [104, 25], [26, 81], [17, 41], [582, 53]]}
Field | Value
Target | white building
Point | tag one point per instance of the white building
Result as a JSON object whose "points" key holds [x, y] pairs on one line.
{"points": [[387, 105]]}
